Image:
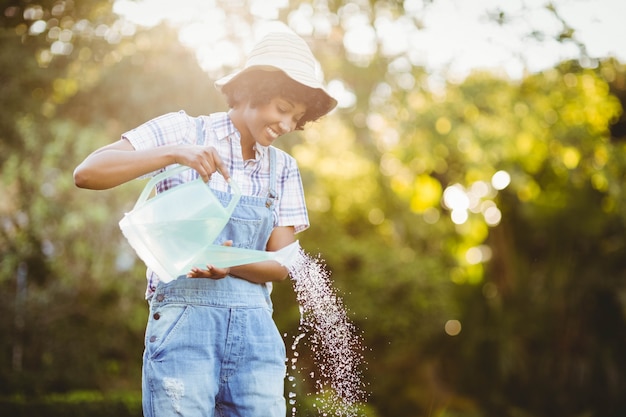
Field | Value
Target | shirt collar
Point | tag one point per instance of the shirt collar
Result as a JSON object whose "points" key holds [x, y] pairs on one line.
{"points": [[260, 151], [224, 128]]}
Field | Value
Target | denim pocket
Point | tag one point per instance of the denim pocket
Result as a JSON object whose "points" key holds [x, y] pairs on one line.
{"points": [[163, 325], [243, 232]]}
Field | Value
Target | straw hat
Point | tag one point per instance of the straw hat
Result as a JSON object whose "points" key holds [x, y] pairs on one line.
{"points": [[289, 53]]}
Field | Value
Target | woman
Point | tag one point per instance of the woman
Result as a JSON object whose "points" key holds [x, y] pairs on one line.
{"points": [[212, 347]]}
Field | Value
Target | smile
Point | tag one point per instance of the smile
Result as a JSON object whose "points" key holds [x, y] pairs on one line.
{"points": [[272, 132]]}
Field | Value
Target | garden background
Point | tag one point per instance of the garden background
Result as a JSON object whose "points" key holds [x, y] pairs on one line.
{"points": [[474, 225]]}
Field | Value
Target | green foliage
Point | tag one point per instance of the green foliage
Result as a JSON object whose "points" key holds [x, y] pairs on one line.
{"points": [[542, 309], [550, 294], [75, 404], [75, 318]]}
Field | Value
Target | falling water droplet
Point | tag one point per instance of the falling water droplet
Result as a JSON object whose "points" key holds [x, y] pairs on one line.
{"points": [[335, 344]]}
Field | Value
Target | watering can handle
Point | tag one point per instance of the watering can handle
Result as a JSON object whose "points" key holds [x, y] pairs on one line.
{"points": [[174, 171], [236, 196]]}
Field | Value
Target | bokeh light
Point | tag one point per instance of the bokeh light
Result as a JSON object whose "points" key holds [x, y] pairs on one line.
{"points": [[452, 327]]}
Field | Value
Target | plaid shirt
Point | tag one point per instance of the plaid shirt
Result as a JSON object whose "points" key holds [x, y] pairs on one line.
{"points": [[252, 176]]}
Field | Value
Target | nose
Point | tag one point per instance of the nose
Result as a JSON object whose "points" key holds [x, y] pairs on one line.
{"points": [[285, 127]]}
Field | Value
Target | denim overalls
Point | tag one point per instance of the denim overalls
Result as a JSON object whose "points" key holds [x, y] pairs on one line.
{"points": [[211, 346]]}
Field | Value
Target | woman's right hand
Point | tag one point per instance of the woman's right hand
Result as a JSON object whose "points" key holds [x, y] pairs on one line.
{"points": [[204, 159]]}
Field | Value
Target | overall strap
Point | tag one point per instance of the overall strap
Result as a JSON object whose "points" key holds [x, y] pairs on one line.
{"points": [[193, 174], [200, 137], [199, 131], [272, 195]]}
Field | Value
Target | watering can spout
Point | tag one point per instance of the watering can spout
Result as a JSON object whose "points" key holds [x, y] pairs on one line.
{"points": [[288, 255], [226, 256]]}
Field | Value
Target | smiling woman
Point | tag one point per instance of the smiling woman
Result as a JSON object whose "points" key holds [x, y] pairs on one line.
{"points": [[230, 303]]}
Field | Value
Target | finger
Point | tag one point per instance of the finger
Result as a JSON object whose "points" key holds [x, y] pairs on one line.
{"points": [[197, 273], [205, 171], [219, 166]]}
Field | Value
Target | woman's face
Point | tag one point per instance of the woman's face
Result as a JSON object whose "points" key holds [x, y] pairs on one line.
{"points": [[265, 123]]}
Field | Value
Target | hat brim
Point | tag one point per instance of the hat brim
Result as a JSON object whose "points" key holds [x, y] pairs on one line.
{"points": [[303, 79]]}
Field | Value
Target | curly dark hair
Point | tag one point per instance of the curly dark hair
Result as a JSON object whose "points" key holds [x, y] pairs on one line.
{"points": [[261, 86]]}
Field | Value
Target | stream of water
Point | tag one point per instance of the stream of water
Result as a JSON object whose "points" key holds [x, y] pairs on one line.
{"points": [[335, 343]]}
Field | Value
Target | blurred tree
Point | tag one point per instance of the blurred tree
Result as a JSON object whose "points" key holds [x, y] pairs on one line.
{"points": [[69, 292], [548, 322], [540, 285]]}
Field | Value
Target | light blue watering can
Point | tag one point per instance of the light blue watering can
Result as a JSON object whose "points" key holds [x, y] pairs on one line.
{"points": [[175, 230]]}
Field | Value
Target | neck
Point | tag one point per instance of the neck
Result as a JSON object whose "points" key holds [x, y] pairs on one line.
{"points": [[247, 152], [247, 141]]}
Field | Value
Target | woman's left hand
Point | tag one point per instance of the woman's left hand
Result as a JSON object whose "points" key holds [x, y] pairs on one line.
{"points": [[210, 271]]}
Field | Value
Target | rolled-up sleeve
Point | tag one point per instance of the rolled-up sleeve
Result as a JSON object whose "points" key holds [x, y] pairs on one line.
{"points": [[169, 129], [291, 208]]}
